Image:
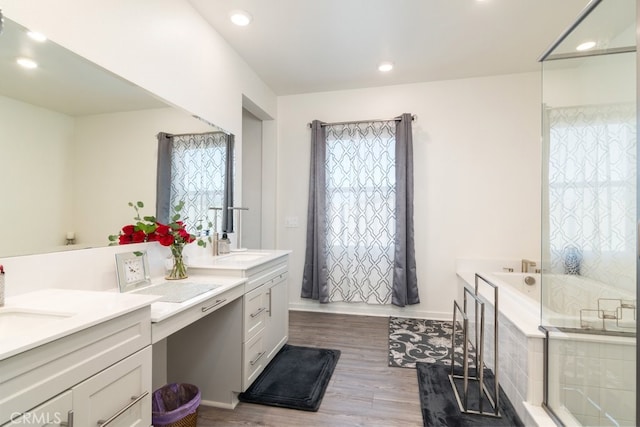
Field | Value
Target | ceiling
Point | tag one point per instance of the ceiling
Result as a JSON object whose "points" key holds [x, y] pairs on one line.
{"points": [[301, 46]]}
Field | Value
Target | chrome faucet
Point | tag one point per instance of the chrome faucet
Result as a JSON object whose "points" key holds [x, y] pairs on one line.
{"points": [[526, 264]]}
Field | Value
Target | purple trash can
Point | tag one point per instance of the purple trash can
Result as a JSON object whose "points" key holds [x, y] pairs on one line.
{"points": [[175, 405]]}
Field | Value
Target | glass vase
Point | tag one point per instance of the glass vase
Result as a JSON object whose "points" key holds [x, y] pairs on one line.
{"points": [[179, 269]]}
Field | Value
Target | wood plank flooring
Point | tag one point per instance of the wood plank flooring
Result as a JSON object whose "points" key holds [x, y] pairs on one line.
{"points": [[363, 391]]}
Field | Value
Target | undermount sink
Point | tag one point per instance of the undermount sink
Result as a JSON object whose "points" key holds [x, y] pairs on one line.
{"points": [[242, 256], [15, 321]]}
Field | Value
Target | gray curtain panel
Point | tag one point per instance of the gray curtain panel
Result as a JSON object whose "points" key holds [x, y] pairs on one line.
{"points": [[314, 280], [405, 281], [227, 216], [163, 178]]}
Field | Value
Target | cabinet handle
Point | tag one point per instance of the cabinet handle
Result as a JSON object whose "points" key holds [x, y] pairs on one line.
{"points": [[257, 313], [254, 361], [134, 401], [269, 310], [215, 304], [69, 422]]}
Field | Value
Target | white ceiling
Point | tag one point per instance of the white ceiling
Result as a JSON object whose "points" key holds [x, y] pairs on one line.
{"points": [[301, 46]]}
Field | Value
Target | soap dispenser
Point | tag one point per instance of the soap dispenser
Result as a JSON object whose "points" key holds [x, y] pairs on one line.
{"points": [[224, 245]]}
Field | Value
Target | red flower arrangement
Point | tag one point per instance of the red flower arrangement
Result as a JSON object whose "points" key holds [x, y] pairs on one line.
{"points": [[173, 234]]}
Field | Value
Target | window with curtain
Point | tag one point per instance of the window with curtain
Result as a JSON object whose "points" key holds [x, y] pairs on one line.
{"points": [[360, 237], [592, 183], [196, 169], [360, 197]]}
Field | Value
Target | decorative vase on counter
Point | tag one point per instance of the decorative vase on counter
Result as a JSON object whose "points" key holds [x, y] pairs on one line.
{"points": [[179, 268], [571, 260]]}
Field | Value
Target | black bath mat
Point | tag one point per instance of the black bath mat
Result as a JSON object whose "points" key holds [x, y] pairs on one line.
{"points": [[296, 378], [439, 405]]}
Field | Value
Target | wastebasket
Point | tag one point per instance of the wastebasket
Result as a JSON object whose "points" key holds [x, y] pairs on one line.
{"points": [[175, 405]]}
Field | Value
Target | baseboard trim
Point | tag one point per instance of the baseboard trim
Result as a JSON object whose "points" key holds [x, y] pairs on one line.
{"points": [[361, 309]]}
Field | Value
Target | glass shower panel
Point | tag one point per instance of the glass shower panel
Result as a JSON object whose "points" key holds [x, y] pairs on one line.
{"points": [[589, 230], [589, 235]]}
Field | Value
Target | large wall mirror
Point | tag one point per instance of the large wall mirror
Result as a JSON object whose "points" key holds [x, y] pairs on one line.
{"points": [[78, 143]]}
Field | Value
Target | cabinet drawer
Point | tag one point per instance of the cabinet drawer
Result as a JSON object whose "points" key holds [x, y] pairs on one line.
{"points": [[255, 310], [118, 396], [254, 356], [261, 277], [53, 413]]}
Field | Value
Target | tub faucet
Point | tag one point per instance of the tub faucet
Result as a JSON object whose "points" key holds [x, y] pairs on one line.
{"points": [[526, 264]]}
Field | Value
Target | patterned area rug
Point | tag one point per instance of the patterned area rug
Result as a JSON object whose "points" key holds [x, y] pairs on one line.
{"points": [[421, 340]]}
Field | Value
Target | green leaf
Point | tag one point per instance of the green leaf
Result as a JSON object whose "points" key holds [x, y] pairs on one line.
{"points": [[175, 218], [140, 204], [202, 243], [113, 237], [179, 206], [150, 218], [149, 228], [138, 253], [130, 204]]}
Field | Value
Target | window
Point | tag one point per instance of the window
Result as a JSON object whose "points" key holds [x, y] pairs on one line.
{"points": [[360, 198], [196, 169], [592, 182]]}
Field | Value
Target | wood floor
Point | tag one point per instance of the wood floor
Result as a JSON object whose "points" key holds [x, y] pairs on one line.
{"points": [[363, 390]]}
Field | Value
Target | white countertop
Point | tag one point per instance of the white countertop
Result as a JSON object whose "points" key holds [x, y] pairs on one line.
{"points": [[36, 318], [240, 260], [162, 310]]}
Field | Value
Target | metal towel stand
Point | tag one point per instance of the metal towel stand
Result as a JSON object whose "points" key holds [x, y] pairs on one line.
{"points": [[479, 353]]}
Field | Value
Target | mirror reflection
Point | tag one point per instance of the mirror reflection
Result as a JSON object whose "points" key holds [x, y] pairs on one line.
{"points": [[78, 144]]}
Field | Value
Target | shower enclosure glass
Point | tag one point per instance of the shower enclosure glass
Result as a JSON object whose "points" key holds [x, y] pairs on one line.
{"points": [[590, 216]]}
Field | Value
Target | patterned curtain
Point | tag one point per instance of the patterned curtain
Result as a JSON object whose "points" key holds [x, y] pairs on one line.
{"points": [[195, 169], [591, 191], [360, 210]]}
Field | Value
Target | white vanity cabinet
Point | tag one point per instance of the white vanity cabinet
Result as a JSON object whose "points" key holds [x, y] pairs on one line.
{"points": [[224, 352], [100, 374], [266, 320]]}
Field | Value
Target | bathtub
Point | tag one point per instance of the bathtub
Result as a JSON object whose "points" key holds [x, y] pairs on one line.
{"points": [[520, 341], [567, 297], [521, 347]]}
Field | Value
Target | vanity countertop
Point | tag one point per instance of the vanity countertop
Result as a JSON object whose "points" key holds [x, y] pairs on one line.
{"points": [[163, 310], [240, 260], [36, 318]]}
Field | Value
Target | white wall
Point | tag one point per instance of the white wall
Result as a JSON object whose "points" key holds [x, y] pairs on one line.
{"points": [[115, 159], [35, 176], [251, 181], [477, 175]]}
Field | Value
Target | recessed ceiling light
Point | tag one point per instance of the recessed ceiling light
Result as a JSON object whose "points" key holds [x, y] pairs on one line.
{"points": [[39, 37], [586, 46], [240, 18], [27, 63], [385, 66]]}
